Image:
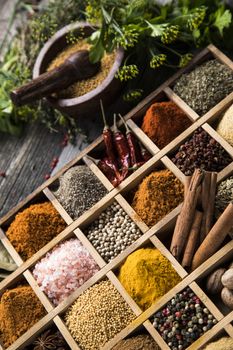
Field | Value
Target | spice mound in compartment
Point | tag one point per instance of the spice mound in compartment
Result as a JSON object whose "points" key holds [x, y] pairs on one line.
{"points": [[205, 86], [50, 339], [201, 151], [112, 232], [82, 87], [163, 122], [79, 190], [225, 343], [140, 342], [225, 126], [224, 196], [34, 227], [147, 275], [183, 320], [97, 316], [157, 195], [64, 270], [20, 309], [7, 264]]}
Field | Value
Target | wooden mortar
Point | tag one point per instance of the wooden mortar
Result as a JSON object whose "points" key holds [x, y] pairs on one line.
{"points": [[86, 104]]}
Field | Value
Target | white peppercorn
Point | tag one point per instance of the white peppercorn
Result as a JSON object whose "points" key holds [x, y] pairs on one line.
{"points": [[112, 232]]}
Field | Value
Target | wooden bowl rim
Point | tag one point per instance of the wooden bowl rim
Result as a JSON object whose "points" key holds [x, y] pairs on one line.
{"points": [[69, 102]]}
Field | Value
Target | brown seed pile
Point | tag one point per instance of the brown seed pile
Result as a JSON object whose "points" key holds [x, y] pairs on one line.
{"points": [[97, 316], [83, 86], [140, 342], [201, 151], [34, 227]]}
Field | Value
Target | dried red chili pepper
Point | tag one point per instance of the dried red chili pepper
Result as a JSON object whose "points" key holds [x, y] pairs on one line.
{"points": [[122, 150], [135, 152], [145, 154], [106, 167], [108, 141]]}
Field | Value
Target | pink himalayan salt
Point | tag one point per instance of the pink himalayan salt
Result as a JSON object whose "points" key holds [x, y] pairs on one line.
{"points": [[64, 269]]}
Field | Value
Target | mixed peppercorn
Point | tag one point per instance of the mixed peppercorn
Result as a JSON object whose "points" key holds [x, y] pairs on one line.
{"points": [[183, 320]]}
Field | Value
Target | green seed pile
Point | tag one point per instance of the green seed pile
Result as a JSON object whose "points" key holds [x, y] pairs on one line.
{"points": [[205, 86], [112, 232], [224, 196], [97, 316]]}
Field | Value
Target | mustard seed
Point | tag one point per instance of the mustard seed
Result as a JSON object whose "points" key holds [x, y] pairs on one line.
{"points": [[97, 316]]}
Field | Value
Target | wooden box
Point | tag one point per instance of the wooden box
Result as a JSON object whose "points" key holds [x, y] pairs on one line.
{"points": [[152, 235]]}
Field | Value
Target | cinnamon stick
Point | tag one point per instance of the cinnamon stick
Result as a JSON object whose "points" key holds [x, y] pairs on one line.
{"points": [[211, 203], [192, 240], [215, 237], [184, 223], [205, 192], [186, 184]]}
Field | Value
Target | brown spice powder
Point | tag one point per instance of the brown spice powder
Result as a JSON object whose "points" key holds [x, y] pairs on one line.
{"points": [[34, 227], [83, 86], [20, 309], [157, 195], [163, 122], [140, 342]]}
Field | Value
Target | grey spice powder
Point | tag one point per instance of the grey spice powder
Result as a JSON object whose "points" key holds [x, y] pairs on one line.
{"points": [[79, 189], [205, 86]]}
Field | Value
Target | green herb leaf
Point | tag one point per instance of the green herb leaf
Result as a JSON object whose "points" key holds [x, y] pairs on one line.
{"points": [[223, 19]]}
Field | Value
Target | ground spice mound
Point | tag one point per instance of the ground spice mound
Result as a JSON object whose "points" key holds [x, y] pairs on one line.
{"points": [[225, 126], [163, 122], [97, 316], [147, 275], [83, 86], [225, 343], [20, 309], [140, 342], [205, 86], [34, 227], [79, 190], [157, 195], [64, 269]]}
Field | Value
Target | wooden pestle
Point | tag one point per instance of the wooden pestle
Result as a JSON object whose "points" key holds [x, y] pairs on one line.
{"points": [[76, 67]]}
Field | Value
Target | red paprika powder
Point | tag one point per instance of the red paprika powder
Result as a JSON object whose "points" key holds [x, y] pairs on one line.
{"points": [[163, 122]]}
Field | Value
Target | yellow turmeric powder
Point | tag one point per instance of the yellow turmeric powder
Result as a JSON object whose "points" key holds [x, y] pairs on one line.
{"points": [[20, 309], [157, 195], [147, 275], [34, 227]]}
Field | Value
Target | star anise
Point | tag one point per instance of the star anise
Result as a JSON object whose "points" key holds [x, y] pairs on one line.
{"points": [[50, 341]]}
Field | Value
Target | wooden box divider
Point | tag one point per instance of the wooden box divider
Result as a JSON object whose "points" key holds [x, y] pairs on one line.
{"points": [[206, 337], [65, 333], [76, 228], [213, 133], [142, 137], [191, 114], [155, 335], [229, 329], [49, 194]]}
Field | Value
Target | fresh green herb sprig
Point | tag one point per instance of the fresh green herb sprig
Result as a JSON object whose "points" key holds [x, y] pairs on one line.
{"points": [[18, 62]]}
